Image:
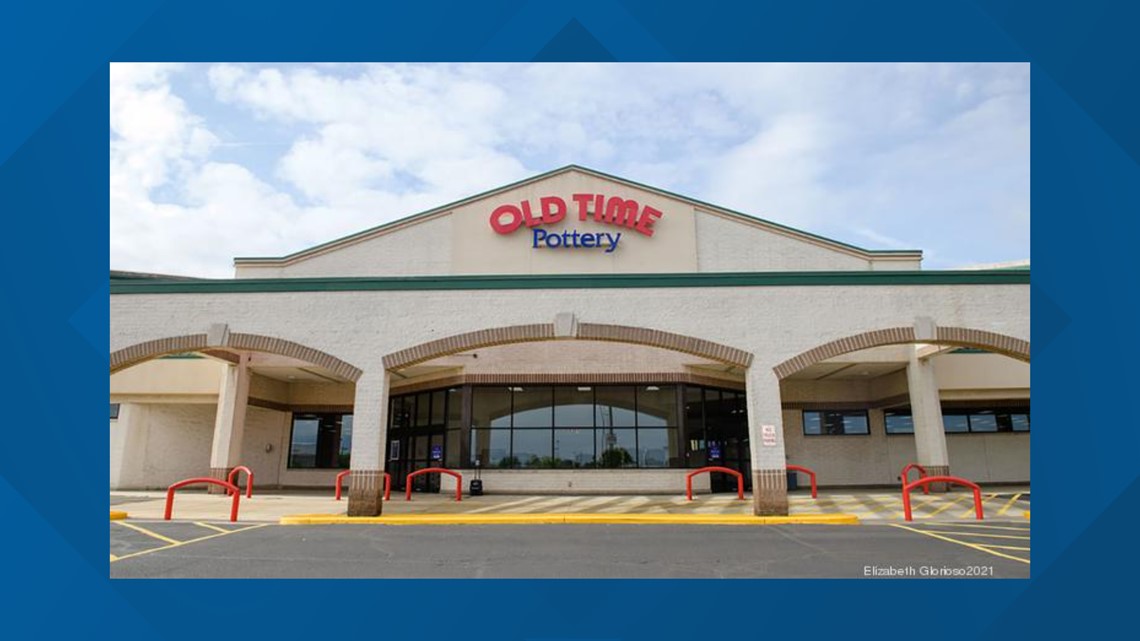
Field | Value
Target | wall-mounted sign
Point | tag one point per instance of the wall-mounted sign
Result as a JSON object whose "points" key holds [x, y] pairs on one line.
{"points": [[768, 435], [394, 450], [614, 211], [714, 451], [437, 452]]}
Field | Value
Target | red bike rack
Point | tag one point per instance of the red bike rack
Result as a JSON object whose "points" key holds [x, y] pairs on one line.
{"points": [[921, 475], [387, 484], [942, 479], [429, 470], [230, 487], [248, 479], [811, 474], [690, 475]]}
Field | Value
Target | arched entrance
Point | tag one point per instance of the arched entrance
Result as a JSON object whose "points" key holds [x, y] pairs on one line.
{"points": [[861, 407], [199, 402], [596, 399]]}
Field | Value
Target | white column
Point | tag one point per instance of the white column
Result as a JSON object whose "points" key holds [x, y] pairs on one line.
{"points": [[128, 447], [369, 437], [766, 442], [229, 422], [926, 411]]}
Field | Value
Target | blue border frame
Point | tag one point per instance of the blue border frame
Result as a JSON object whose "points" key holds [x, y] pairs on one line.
{"points": [[53, 191]]}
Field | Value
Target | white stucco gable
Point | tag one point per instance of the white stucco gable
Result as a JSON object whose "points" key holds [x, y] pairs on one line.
{"points": [[574, 221]]}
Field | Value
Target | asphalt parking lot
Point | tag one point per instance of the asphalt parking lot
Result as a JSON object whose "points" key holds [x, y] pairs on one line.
{"points": [[183, 549]]}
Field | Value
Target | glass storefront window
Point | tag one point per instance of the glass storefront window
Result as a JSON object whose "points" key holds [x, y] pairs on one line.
{"points": [[657, 448], [438, 399], [320, 440], [574, 448], [657, 406], [836, 423], [423, 409], [303, 450], [345, 451], [614, 407], [491, 448], [574, 406], [531, 448], [533, 406], [490, 407], [454, 407], [616, 447], [899, 422], [984, 422], [955, 423]]}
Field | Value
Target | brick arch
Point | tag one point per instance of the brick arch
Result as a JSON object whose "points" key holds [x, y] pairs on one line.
{"points": [[957, 336], [585, 331], [139, 352]]}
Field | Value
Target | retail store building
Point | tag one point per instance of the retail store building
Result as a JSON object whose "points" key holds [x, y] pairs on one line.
{"points": [[572, 333]]}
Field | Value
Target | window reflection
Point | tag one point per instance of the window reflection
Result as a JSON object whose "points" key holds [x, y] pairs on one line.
{"points": [[656, 406], [616, 447], [574, 406], [574, 448], [614, 407]]}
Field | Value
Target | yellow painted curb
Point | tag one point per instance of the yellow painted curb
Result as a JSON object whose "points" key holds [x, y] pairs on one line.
{"points": [[534, 519], [116, 515]]}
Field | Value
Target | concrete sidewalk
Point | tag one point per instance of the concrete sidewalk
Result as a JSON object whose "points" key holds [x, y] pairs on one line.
{"points": [[1005, 502]]}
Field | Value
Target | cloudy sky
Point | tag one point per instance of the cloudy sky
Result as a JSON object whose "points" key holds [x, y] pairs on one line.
{"points": [[209, 162]]}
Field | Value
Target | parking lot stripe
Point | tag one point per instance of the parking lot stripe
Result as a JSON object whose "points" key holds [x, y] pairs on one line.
{"points": [[980, 548], [211, 527], [147, 532], [948, 506], [114, 558], [987, 535], [1009, 504], [1006, 547], [181, 543], [969, 513], [988, 527]]}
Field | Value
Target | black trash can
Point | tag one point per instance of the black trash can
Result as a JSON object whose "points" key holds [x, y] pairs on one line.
{"points": [[476, 488], [793, 480]]}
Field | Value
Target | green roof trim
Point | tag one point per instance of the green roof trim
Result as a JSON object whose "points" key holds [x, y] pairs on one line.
{"points": [[575, 281], [458, 203]]}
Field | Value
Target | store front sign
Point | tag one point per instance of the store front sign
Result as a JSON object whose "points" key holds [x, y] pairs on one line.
{"points": [[614, 211]]}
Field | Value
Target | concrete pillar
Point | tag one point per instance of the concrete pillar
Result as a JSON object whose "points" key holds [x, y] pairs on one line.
{"points": [[766, 442], [369, 437], [229, 422], [926, 411], [128, 447]]}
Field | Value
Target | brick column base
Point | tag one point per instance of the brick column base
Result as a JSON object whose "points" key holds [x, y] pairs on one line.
{"points": [[938, 470], [770, 492], [219, 473], [366, 493]]}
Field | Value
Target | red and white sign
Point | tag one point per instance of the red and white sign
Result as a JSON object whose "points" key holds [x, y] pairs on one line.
{"points": [[599, 208], [768, 435]]}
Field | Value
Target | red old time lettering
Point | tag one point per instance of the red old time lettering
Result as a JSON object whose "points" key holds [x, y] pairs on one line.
{"points": [[606, 210]]}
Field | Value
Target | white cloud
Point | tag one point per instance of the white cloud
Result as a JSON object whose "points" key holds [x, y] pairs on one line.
{"points": [[859, 152]]}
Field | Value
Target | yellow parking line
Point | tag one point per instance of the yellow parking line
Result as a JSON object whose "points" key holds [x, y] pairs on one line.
{"points": [[147, 532], [114, 558], [970, 512], [974, 546], [212, 527], [181, 543], [1005, 547], [947, 506], [1009, 504], [988, 527], [989, 536]]}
